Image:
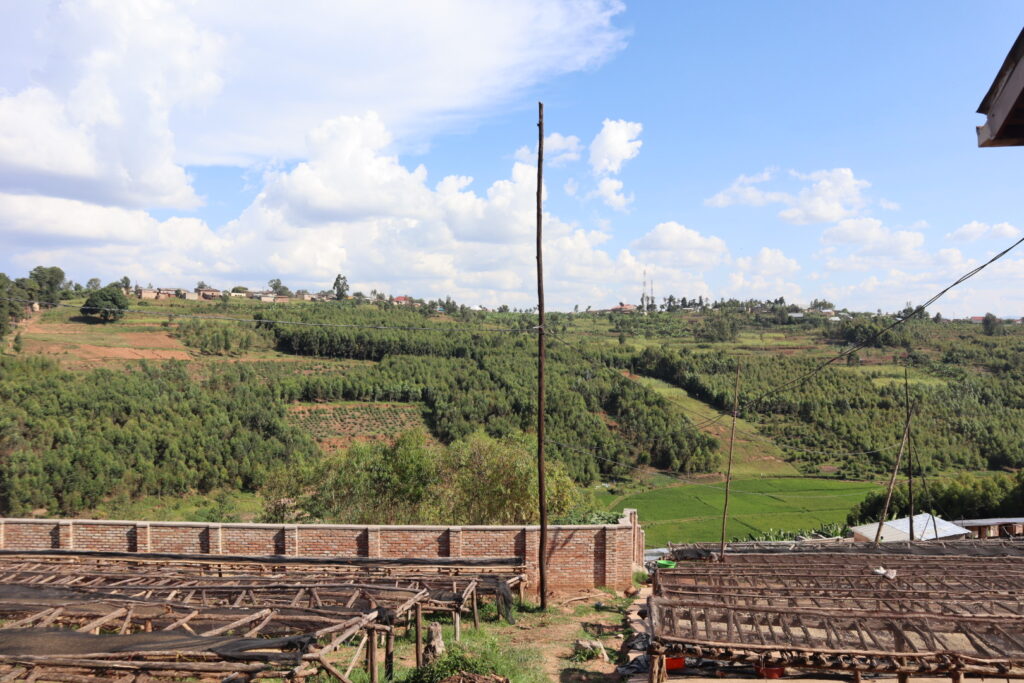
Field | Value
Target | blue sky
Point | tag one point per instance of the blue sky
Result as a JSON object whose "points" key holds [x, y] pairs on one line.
{"points": [[747, 149]]}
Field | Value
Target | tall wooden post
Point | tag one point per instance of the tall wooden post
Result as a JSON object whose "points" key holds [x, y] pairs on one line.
{"points": [[541, 484], [892, 481], [910, 455], [728, 470]]}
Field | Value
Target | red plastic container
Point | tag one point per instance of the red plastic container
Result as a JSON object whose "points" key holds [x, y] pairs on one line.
{"points": [[770, 671], [675, 663]]}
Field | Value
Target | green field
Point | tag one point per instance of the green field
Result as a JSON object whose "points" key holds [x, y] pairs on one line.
{"points": [[753, 454], [692, 512]]}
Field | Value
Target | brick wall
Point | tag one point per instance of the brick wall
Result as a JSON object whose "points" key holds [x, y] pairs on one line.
{"points": [[578, 556]]}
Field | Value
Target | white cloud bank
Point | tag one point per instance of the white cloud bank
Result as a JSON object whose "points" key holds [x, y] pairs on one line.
{"points": [[109, 101], [976, 230], [831, 195], [353, 207]]}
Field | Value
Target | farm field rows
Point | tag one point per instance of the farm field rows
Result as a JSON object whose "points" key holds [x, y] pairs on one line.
{"points": [[336, 425], [692, 512]]}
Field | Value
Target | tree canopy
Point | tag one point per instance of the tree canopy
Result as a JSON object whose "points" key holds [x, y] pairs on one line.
{"points": [[108, 303]]}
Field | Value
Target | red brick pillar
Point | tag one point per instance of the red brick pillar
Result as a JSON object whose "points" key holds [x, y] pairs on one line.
{"points": [[215, 536], [614, 555], [291, 539], [66, 534], [532, 556], [373, 541], [454, 541], [143, 540]]}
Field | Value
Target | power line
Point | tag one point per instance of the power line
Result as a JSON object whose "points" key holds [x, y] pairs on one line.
{"points": [[899, 321], [187, 316]]}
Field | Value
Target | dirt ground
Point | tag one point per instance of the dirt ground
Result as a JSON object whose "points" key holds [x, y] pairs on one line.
{"points": [[72, 348]]}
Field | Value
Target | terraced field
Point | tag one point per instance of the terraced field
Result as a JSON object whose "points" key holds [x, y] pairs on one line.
{"points": [[336, 425]]}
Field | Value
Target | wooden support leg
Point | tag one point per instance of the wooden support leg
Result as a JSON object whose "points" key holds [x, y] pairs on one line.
{"points": [[521, 589], [657, 672], [371, 657], [419, 635], [389, 655], [476, 613], [903, 678], [457, 622]]}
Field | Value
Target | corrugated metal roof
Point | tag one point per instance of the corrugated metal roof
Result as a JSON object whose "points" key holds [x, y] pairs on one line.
{"points": [[926, 528], [990, 521]]}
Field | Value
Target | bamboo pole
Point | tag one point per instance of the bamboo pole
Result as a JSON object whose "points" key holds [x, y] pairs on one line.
{"points": [[728, 471]]}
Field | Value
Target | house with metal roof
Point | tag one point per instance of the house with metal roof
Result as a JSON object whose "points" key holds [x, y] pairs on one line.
{"points": [[994, 527], [927, 527]]}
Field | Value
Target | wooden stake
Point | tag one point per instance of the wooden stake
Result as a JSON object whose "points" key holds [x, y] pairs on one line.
{"points": [[419, 635], [371, 656], [892, 481], [389, 655], [728, 470], [541, 484]]}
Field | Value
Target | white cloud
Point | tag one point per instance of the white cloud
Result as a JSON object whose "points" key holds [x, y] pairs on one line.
{"points": [[610, 191], [743, 191], [764, 275], [889, 205], [832, 195], [95, 123], [422, 69], [872, 244], [675, 245], [618, 142], [109, 101], [976, 230], [353, 207], [571, 187], [558, 150], [768, 262]]}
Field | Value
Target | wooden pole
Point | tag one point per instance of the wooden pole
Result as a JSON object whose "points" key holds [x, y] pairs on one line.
{"points": [[371, 657], [728, 470], [910, 456], [389, 655], [892, 481], [419, 635], [541, 484]]}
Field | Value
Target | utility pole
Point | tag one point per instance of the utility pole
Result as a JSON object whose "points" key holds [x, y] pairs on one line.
{"points": [[541, 484], [728, 470], [910, 453]]}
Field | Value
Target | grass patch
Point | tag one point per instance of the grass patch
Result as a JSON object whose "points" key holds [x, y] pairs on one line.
{"points": [[692, 512], [218, 506], [753, 453]]}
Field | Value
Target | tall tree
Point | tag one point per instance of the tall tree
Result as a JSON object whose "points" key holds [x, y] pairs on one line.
{"points": [[108, 303], [991, 325], [48, 282], [340, 286]]}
